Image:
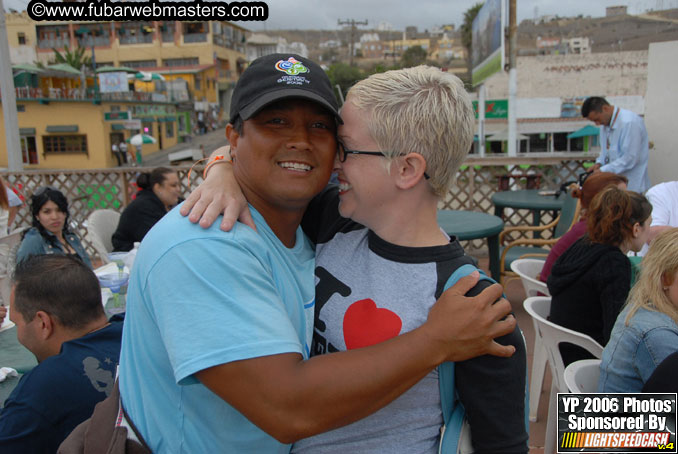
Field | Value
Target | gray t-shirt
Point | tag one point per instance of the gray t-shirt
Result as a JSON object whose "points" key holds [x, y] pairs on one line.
{"points": [[375, 310], [369, 290]]}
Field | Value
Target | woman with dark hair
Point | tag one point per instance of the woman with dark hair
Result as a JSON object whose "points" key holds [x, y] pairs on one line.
{"points": [[592, 185], [160, 192], [50, 233], [590, 282]]}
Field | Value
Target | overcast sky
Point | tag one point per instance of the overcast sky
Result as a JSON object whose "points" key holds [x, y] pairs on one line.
{"points": [[425, 14]]}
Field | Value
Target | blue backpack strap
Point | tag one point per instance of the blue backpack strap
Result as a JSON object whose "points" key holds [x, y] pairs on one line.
{"points": [[453, 410]]}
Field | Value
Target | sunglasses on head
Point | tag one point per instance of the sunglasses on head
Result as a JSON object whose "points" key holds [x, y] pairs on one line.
{"points": [[41, 190]]}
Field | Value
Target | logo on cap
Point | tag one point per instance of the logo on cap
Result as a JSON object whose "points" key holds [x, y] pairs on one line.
{"points": [[291, 66]]}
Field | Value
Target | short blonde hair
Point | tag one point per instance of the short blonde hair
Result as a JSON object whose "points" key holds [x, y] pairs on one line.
{"points": [[659, 264], [419, 110]]}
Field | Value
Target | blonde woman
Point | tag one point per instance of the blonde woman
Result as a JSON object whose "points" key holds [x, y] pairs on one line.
{"points": [[646, 331]]}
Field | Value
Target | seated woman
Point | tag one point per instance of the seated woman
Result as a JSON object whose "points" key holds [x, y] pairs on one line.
{"points": [[646, 332], [590, 282], [160, 192], [50, 233], [592, 185], [9, 206]]}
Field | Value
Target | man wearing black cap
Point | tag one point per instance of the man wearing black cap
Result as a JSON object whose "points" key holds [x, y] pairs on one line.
{"points": [[217, 336]]}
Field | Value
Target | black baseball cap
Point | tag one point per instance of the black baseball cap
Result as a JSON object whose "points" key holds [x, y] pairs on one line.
{"points": [[278, 76]]}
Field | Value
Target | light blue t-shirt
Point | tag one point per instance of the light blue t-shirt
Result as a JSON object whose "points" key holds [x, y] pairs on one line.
{"points": [[199, 298]]}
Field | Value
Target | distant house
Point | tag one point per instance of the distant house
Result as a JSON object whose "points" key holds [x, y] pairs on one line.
{"points": [[330, 44], [259, 44], [612, 11]]}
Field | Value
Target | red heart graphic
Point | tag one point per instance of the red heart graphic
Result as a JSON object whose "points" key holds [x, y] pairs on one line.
{"points": [[365, 324]]}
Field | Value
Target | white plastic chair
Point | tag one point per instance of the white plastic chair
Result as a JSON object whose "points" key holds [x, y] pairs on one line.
{"points": [[582, 376], [528, 270], [100, 227], [551, 336]]}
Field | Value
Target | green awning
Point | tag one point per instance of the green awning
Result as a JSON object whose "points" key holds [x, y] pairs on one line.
{"points": [[117, 127], [588, 130], [115, 69], [27, 131], [27, 67], [62, 128], [166, 119], [62, 69]]}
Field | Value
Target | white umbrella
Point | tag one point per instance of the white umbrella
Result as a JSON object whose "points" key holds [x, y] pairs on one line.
{"points": [[139, 139]]}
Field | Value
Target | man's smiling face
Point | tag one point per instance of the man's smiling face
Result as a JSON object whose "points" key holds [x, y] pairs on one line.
{"points": [[284, 156]]}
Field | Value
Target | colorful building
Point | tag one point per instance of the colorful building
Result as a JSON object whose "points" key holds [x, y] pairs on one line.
{"points": [[66, 122]]}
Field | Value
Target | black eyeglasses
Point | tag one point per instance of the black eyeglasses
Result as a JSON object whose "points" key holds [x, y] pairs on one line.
{"points": [[342, 152], [583, 177], [41, 190]]}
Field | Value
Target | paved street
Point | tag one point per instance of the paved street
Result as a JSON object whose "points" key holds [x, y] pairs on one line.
{"points": [[210, 142]]}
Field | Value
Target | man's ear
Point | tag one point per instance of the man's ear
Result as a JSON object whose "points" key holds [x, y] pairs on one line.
{"points": [[232, 136], [45, 324], [410, 170]]}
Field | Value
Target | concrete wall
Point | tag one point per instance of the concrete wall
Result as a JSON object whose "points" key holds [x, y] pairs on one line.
{"points": [[599, 74], [661, 103]]}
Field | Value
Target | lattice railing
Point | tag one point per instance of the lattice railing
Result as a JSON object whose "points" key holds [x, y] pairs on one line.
{"points": [[87, 190], [477, 180]]}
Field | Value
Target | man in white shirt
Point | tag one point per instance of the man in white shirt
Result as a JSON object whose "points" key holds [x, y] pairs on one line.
{"points": [[624, 146], [116, 152], [664, 200], [123, 151]]}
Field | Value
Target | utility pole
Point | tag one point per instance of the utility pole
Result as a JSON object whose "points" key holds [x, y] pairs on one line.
{"points": [[352, 23], [513, 89], [14, 162]]}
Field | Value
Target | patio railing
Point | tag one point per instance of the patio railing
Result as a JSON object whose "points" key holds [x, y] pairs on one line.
{"points": [[477, 180]]}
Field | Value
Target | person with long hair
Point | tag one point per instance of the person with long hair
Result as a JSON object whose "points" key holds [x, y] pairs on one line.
{"points": [[4, 208], [9, 206], [590, 282], [50, 233], [646, 331], [592, 185], [160, 191], [4, 216]]}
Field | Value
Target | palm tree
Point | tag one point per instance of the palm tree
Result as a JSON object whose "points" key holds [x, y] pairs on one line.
{"points": [[75, 58]]}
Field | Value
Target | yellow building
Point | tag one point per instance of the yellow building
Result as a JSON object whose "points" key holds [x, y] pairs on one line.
{"points": [[79, 133], [446, 49], [65, 126], [398, 46], [150, 45], [201, 81]]}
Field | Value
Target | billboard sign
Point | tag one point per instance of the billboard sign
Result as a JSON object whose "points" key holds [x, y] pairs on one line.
{"points": [[113, 82], [487, 50]]}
